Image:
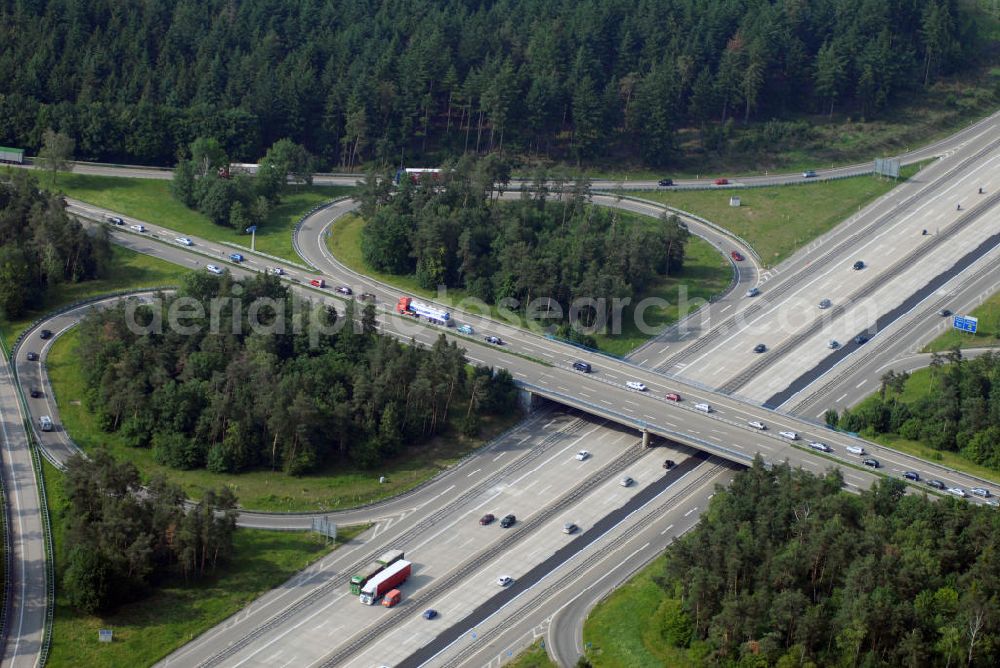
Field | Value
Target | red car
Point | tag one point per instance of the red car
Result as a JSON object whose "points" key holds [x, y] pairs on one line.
{"points": [[721, 182], [673, 397], [736, 256], [487, 519], [317, 283]]}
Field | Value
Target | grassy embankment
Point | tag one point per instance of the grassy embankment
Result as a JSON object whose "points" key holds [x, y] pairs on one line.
{"points": [[336, 487], [779, 220], [177, 611], [918, 386], [987, 331], [150, 200], [624, 630]]}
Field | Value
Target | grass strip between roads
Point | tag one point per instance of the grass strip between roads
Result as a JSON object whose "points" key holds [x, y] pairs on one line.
{"points": [[177, 612], [335, 487], [150, 200], [534, 656], [778, 220]]}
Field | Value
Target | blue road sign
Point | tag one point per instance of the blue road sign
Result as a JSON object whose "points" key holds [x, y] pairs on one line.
{"points": [[251, 229], [966, 323]]}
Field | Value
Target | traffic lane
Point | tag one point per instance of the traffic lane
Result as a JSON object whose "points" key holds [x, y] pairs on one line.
{"points": [[536, 574], [385, 535], [519, 625], [28, 578], [455, 541], [832, 282], [909, 301]]}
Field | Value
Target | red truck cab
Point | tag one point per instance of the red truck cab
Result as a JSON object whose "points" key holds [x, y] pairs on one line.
{"points": [[317, 283]]}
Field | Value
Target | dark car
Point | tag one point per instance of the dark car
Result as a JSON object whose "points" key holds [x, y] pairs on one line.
{"points": [[760, 348], [936, 484], [859, 265], [581, 366], [508, 521], [673, 396], [35, 393], [496, 340], [430, 613], [721, 182], [944, 313], [665, 182], [860, 338], [868, 461], [45, 334], [911, 475], [669, 464], [343, 290], [487, 519], [366, 297], [32, 357], [115, 220]]}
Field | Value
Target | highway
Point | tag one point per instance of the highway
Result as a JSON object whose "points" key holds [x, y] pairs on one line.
{"points": [[29, 592], [544, 370]]}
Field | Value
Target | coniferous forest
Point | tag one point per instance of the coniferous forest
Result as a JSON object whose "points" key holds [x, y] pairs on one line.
{"points": [[421, 80]]}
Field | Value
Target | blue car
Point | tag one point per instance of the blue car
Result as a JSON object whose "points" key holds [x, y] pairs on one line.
{"points": [[236, 257], [466, 329], [430, 613]]}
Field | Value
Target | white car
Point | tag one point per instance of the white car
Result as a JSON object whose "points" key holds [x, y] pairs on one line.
{"points": [[137, 228], [822, 447], [635, 385], [704, 408], [277, 271], [504, 580], [184, 241], [756, 424], [790, 435], [582, 455], [981, 491], [855, 449], [957, 491], [626, 481], [214, 269]]}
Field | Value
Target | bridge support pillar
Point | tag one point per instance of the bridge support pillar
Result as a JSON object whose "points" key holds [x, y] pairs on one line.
{"points": [[528, 401], [645, 439]]}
